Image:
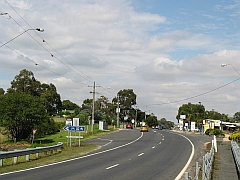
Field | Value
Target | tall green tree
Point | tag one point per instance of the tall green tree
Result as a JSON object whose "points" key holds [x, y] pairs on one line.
{"points": [[193, 112], [20, 113], [126, 99], [51, 98], [26, 83]]}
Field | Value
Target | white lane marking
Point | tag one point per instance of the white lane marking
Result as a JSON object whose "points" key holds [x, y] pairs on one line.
{"points": [[160, 142], [153, 147], [189, 160], [81, 157], [141, 154], [110, 141], [110, 167]]}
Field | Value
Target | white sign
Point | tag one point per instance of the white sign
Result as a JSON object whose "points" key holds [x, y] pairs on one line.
{"points": [[183, 116], [193, 126], [75, 121], [68, 122]]}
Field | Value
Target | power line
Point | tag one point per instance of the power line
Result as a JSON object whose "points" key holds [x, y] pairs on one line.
{"points": [[197, 95]]}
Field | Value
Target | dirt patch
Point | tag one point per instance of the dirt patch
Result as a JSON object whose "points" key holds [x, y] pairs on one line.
{"points": [[9, 147]]}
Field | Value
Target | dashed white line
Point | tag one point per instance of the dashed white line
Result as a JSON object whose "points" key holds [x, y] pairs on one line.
{"points": [[110, 167], [153, 147], [141, 154]]}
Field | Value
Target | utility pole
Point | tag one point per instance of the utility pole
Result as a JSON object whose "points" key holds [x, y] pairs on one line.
{"points": [[118, 111], [136, 117], [93, 92]]}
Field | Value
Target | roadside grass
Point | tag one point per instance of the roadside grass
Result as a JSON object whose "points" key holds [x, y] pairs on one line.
{"points": [[59, 119], [67, 152]]}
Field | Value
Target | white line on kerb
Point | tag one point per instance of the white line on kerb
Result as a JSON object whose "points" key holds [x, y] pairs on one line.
{"points": [[141, 154], [112, 166]]}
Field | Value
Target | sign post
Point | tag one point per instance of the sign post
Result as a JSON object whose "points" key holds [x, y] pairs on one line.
{"points": [[74, 129]]}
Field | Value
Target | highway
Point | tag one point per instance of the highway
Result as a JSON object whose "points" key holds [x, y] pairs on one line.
{"points": [[126, 154]]}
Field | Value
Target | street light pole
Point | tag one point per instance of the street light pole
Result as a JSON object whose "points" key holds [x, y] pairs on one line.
{"points": [[223, 65], [37, 29]]}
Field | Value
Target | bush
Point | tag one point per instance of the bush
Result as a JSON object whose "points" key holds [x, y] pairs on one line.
{"points": [[235, 136], [216, 132]]}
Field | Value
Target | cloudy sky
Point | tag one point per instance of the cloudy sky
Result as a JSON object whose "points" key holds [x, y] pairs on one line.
{"points": [[169, 53]]}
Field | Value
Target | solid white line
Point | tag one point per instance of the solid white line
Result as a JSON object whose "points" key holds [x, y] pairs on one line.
{"points": [[110, 167], [189, 160], [81, 157], [141, 154]]}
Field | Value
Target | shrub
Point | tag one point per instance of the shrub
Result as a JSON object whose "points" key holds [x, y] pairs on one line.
{"points": [[235, 136], [216, 132]]}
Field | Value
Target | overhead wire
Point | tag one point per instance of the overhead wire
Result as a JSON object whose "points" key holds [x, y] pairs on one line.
{"points": [[172, 102], [52, 54], [84, 76]]}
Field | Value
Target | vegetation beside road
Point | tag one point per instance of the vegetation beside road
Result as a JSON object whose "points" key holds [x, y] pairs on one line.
{"points": [[66, 153]]}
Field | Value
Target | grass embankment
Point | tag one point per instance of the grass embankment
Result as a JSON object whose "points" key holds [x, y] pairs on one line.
{"points": [[67, 152]]}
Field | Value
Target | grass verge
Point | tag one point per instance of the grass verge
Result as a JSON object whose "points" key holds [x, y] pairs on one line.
{"points": [[46, 158]]}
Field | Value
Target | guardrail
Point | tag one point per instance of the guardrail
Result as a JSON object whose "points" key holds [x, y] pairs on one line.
{"points": [[206, 165], [236, 154], [26, 152]]}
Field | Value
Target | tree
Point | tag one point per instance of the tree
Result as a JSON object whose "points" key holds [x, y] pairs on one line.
{"points": [[166, 124], [236, 117], [2, 91], [126, 99], [20, 113], [67, 104], [51, 98], [151, 121], [214, 115], [193, 112], [87, 106], [26, 83]]}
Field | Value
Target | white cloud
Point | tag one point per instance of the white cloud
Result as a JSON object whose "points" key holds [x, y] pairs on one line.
{"points": [[114, 44]]}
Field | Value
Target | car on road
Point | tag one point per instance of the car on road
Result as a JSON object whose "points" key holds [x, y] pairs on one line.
{"points": [[159, 127], [144, 129], [129, 126]]}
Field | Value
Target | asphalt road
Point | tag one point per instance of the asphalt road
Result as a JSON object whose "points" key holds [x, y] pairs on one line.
{"points": [[126, 154]]}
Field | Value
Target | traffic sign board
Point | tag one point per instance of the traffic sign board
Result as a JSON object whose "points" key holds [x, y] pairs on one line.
{"points": [[74, 128]]}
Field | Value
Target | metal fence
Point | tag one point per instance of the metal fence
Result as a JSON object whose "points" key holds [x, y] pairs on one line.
{"points": [[26, 152], [236, 154], [206, 164]]}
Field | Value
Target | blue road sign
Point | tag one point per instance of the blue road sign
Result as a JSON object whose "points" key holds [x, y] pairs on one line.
{"points": [[74, 128]]}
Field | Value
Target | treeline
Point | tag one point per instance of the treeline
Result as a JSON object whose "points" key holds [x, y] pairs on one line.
{"points": [[30, 105]]}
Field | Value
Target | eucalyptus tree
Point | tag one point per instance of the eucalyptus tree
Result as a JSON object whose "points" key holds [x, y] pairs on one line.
{"points": [[25, 82], [126, 99]]}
